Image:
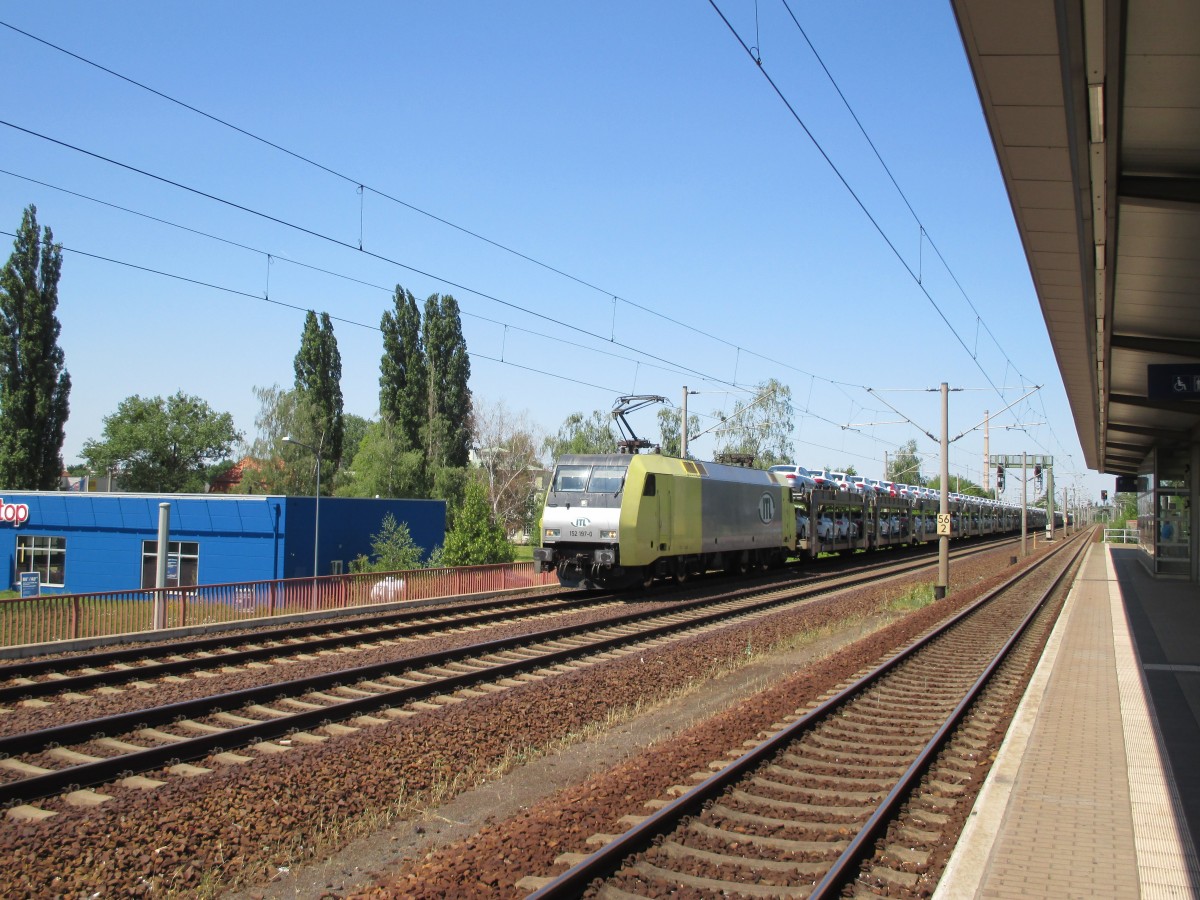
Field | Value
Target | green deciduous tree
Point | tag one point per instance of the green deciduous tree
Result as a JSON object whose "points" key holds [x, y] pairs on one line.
{"points": [[384, 466], [158, 445], [34, 385], [958, 485], [275, 467], [448, 426], [670, 437], [318, 366], [449, 483], [761, 428], [475, 539], [577, 434], [1125, 509], [904, 466], [507, 449], [403, 372], [355, 430]]}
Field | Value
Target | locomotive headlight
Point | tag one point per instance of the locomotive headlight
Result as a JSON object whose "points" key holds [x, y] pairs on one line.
{"points": [[551, 532], [608, 535]]}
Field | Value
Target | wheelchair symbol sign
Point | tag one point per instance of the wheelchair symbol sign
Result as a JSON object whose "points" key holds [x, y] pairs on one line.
{"points": [[1176, 381]]}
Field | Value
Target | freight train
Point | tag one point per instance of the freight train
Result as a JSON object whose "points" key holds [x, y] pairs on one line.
{"points": [[619, 520]]}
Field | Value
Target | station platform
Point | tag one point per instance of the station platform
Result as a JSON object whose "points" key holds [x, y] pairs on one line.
{"points": [[1096, 789]]}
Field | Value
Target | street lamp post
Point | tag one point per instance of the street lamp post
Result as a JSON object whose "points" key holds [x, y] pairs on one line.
{"points": [[317, 503]]}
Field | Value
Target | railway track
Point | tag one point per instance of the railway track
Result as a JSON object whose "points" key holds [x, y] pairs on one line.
{"points": [[231, 728], [72, 675], [108, 668], [798, 813]]}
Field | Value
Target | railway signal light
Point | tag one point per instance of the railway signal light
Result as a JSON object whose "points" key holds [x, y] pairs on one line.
{"points": [[1000, 477]]}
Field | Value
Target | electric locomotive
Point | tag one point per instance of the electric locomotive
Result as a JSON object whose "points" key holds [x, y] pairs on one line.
{"points": [[616, 520]]}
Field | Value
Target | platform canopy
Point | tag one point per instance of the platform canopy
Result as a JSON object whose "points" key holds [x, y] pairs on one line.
{"points": [[1094, 110]]}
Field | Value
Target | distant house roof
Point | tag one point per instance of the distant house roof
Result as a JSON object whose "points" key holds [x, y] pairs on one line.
{"points": [[226, 482]]}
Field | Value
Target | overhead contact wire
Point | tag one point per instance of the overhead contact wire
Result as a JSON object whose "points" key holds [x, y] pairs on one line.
{"points": [[361, 187], [349, 246], [262, 299], [846, 184], [276, 257]]}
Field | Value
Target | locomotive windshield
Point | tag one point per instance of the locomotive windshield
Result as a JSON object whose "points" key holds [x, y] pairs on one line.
{"points": [[571, 478], [589, 479], [606, 479]]}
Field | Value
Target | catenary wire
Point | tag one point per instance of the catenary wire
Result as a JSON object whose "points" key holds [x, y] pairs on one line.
{"points": [[858, 200], [362, 186], [239, 293], [648, 310], [378, 256], [924, 231], [277, 257], [892, 178]]}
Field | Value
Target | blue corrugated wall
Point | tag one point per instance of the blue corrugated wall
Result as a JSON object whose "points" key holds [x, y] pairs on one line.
{"points": [[347, 526], [241, 538]]}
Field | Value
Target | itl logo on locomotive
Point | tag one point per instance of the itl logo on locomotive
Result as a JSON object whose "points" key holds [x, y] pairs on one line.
{"points": [[14, 513], [766, 508]]}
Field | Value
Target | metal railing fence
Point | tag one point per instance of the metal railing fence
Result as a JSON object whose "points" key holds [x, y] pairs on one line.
{"points": [[1121, 536], [58, 617]]}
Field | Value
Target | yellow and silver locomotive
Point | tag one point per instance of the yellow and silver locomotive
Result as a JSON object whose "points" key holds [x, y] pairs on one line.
{"points": [[616, 520]]}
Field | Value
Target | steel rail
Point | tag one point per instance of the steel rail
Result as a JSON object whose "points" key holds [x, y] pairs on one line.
{"points": [[106, 769], [610, 857], [13, 693], [160, 668], [846, 865], [91, 659]]}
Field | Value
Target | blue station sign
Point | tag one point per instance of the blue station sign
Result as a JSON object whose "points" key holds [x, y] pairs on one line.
{"points": [[31, 584], [1173, 381]]}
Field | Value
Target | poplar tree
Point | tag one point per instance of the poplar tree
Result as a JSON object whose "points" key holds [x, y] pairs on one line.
{"points": [[318, 367], [449, 408], [34, 385], [403, 379]]}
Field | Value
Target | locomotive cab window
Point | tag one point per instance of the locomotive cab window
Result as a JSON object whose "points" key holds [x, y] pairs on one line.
{"points": [[606, 480], [571, 478], [650, 487]]}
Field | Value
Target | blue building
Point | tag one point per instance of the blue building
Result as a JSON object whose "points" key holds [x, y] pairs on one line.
{"points": [[80, 543]]}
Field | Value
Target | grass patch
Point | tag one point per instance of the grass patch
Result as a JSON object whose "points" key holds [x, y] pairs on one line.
{"points": [[522, 552], [916, 597]]}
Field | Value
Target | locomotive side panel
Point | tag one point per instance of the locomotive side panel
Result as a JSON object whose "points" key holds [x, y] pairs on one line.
{"points": [[742, 516], [687, 529], [638, 535]]}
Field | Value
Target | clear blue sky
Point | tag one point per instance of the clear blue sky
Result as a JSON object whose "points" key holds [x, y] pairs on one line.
{"points": [[633, 146]]}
